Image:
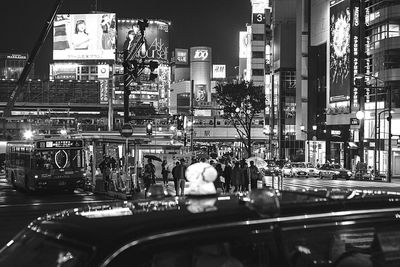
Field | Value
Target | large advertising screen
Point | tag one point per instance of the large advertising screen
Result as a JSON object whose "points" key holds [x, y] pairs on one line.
{"points": [[156, 35], [339, 58], [84, 37]]}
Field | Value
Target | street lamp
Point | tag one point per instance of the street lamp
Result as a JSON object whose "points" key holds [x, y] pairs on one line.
{"points": [[362, 76]]}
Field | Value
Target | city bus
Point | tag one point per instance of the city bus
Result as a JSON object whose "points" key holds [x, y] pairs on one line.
{"points": [[45, 164]]}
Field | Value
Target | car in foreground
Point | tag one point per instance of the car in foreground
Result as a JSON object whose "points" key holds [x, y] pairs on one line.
{"points": [[263, 228], [334, 171]]}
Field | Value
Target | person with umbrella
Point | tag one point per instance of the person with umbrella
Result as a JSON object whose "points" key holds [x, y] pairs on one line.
{"points": [[149, 174]]}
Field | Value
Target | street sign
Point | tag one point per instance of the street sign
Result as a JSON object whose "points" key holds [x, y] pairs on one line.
{"points": [[126, 130], [354, 121]]}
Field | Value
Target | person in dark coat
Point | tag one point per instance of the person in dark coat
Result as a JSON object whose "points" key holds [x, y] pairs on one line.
{"points": [[245, 174], [237, 177], [175, 177], [217, 182], [164, 172], [228, 175], [149, 174]]}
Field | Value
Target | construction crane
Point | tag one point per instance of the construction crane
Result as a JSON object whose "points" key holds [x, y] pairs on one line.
{"points": [[32, 56]]}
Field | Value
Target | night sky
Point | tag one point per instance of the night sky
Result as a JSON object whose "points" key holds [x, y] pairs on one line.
{"points": [[214, 23]]}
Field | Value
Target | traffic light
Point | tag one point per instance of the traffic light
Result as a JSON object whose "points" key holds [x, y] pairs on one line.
{"points": [[359, 82], [179, 122], [149, 129], [152, 76]]}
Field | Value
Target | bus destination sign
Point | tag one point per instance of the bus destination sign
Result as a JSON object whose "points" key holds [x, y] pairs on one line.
{"points": [[60, 143]]}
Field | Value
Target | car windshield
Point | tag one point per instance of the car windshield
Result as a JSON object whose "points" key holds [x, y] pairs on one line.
{"points": [[335, 166], [298, 165], [39, 250]]}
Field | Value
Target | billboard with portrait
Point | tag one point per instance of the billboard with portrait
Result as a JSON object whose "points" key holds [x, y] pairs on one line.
{"points": [[339, 56], [156, 35], [84, 37], [181, 56], [200, 95]]}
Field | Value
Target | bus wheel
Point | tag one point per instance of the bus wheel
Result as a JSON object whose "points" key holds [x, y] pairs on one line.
{"points": [[13, 181]]}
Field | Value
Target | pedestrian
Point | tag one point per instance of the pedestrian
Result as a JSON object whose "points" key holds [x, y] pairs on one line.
{"points": [[181, 171], [228, 175], [245, 175], [105, 169], [237, 177], [217, 182], [175, 176], [149, 174], [164, 172], [254, 175]]}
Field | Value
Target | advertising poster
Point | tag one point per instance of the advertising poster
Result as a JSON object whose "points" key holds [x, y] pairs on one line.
{"points": [[181, 56], [200, 54], [200, 95], [156, 34], [339, 58], [84, 37], [219, 71]]}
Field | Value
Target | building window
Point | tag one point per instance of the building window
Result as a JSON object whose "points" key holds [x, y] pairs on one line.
{"points": [[258, 37], [258, 72], [258, 54]]}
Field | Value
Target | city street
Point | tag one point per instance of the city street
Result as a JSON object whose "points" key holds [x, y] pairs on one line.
{"points": [[316, 183], [18, 209]]}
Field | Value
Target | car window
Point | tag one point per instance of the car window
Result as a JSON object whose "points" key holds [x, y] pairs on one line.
{"points": [[309, 165], [227, 250], [33, 249], [298, 165]]}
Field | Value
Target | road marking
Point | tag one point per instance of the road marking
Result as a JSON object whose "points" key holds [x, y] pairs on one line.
{"points": [[58, 203]]}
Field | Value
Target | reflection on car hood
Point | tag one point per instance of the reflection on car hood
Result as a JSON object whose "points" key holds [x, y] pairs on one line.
{"points": [[115, 220]]}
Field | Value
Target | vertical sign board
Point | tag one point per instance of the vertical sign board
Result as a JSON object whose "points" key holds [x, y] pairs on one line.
{"points": [[340, 51], [181, 56], [200, 72], [355, 52]]}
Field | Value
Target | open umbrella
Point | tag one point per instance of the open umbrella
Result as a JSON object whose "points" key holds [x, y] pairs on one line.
{"points": [[152, 157], [258, 162]]}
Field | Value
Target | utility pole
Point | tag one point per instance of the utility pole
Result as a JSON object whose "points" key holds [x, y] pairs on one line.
{"points": [[389, 175], [191, 115]]}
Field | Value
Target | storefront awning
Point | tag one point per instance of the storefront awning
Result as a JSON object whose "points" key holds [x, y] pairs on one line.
{"points": [[353, 145]]}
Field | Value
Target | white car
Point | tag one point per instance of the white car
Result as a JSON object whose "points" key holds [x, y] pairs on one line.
{"points": [[312, 170], [295, 169]]}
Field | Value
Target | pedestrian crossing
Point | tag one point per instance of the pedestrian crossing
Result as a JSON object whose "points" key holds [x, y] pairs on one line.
{"points": [[316, 183]]}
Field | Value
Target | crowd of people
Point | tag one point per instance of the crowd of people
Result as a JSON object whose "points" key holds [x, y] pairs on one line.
{"points": [[233, 176]]}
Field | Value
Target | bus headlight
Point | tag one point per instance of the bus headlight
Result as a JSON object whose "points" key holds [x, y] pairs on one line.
{"points": [[36, 176]]}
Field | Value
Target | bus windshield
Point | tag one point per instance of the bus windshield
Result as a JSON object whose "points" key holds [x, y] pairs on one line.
{"points": [[55, 159]]}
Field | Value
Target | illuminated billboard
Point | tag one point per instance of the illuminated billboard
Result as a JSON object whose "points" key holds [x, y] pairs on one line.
{"points": [[200, 54], [200, 95], [156, 35], [339, 57], [219, 71], [244, 45], [181, 56], [84, 36]]}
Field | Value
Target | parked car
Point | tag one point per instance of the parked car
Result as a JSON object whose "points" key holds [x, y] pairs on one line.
{"points": [[263, 228], [334, 171]]}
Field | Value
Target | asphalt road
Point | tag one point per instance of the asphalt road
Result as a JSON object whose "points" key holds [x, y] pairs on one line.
{"points": [[17, 209]]}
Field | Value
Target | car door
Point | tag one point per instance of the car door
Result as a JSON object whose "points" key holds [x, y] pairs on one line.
{"points": [[229, 246]]}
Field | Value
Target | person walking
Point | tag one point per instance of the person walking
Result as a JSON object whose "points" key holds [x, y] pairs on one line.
{"points": [[228, 175], [237, 177], [175, 176], [181, 170], [254, 174], [149, 174], [164, 172]]}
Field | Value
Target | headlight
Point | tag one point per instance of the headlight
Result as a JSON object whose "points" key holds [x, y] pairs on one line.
{"points": [[349, 173], [36, 176], [336, 172]]}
